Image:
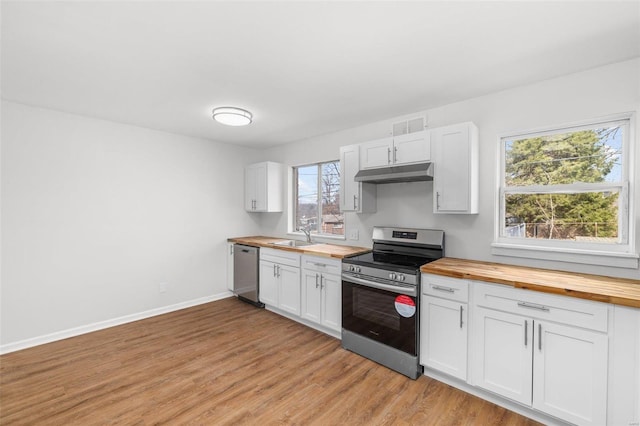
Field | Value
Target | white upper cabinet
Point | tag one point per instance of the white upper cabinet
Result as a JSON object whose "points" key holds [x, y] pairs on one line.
{"points": [[263, 187], [376, 153], [412, 148], [455, 162], [403, 149], [354, 196]]}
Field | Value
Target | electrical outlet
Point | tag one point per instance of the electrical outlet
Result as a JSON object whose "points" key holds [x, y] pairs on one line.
{"points": [[353, 234], [162, 287]]}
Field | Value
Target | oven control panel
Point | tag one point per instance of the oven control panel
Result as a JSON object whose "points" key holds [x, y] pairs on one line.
{"points": [[364, 272], [405, 234]]}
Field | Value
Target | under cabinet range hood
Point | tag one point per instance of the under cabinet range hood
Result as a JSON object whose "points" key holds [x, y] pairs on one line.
{"points": [[394, 174]]}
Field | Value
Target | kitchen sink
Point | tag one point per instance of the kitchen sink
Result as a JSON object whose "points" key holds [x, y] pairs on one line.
{"points": [[294, 243]]}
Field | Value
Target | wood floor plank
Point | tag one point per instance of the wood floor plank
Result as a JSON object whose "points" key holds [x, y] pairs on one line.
{"points": [[224, 362]]}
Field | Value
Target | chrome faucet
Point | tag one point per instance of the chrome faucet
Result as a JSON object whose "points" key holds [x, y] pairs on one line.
{"points": [[307, 232]]}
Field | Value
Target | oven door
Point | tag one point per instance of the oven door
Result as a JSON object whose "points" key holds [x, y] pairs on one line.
{"points": [[381, 311]]}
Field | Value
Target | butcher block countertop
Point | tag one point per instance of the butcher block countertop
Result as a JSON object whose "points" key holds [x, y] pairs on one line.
{"points": [[584, 286], [321, 249]]}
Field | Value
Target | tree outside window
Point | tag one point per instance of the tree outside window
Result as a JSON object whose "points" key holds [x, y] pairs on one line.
{"points": [[317, 199], [565, 185]]}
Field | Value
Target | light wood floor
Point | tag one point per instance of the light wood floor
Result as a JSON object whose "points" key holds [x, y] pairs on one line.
{"points": [[224, 362]]}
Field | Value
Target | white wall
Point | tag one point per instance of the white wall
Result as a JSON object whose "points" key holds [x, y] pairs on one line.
{"points": [[591, 94], [96, 214]]}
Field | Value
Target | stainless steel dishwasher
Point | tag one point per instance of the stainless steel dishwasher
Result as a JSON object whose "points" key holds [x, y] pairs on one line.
{"points": [[245, 274]]}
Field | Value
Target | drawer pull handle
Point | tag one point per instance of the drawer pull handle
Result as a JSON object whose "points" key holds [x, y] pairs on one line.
{"points": [[447, 289], [321, 265], [533, 306]]}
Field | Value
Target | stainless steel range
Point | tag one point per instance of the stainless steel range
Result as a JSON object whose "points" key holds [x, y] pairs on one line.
{"points": [[381, 293]]}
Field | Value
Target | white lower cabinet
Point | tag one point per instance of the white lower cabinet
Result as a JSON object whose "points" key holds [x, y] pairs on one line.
{"points": [[528, 356], [504, 354], [311, 294], [280, 280], [322, 291], [570, 373], [558, 359], [444, 325], [268, 283], [289, 289]]}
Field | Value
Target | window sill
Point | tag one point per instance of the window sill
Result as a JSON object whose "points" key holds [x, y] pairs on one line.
{"points": [[589, 257]]}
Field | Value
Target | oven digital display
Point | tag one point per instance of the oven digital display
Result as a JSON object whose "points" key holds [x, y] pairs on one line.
{"points": [[405, 235]]}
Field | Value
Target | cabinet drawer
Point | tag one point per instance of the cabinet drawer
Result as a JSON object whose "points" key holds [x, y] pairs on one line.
{"points": [[282, 257], [321, 264], [561, 309], [445, 287]]}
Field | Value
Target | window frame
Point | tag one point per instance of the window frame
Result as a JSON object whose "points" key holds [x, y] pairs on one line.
{"points": [[620, 254], [293, 226]]}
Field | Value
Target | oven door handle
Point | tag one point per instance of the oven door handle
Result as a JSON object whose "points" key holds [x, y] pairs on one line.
{"points": [[409, 291]]}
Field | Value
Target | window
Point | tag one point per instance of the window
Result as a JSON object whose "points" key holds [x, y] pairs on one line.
{"points": [[566, 190], [317, 199]]}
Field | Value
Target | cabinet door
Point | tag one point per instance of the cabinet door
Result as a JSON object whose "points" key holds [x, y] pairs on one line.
{"points": [[261, 192], [289, 288], [230, 247], [331, 301], [311, 299], [268, 283], [349, 189], [443, 340], [570, 373], [503, 354], [455, 178], [354, 196], [376, 153], [412, 148], [250, 188]]}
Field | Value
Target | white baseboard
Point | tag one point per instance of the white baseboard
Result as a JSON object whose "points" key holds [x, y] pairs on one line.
{"points": [[76, 331]]}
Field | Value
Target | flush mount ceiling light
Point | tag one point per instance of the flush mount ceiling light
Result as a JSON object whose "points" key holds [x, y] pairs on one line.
{"points": [[232, 116]]}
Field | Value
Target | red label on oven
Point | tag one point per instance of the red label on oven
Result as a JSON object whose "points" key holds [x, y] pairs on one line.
{"points": [[405, 306]]}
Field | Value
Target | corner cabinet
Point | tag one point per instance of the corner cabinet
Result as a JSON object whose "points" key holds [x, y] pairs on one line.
{"points": [[354, 196], [322, 291], [455, 161], [264, 187], [404, 149]]}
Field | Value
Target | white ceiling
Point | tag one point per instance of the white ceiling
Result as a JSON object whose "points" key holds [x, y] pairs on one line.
{"points": [[302, 68]]}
